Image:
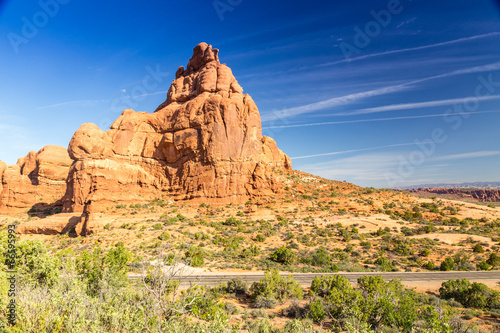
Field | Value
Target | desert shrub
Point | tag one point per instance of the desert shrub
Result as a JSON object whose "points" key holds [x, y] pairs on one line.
{"points": [[237, 286], [425, 253], [283, 255], [339, 299], [429, 265], [471, 295], [102, 270], [317, 310], [298, 326], [366, 245], [260, 326], [387, 303], [276, 286], [402, 247], [494, 260], [483, 266], [195, 256], [263, 301], [232, 221], [384, 264], [260, 238], [252, 251], [478, 248], [164, 236], [157, 226], [34, 263], [375, 304], [320, 258], [204, 303], [447, 265]]}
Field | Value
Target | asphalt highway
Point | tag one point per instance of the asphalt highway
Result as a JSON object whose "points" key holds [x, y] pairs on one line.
{"points": [[212, 279]]}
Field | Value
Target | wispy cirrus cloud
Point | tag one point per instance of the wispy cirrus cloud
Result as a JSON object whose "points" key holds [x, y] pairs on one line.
{"points": [[354, 150], [374, 120], [83, 102], [350, 98], [409, 49], [381, 54], [418, 105], [369, 169], [90, 102], [475, 154]]}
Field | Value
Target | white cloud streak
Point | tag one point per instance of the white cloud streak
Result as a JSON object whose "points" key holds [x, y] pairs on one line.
{"points": [[420, 105], [373, 120], [475, 154], [83, 102], [379, 54], [343, 100], [417, 48], [354, 150]]}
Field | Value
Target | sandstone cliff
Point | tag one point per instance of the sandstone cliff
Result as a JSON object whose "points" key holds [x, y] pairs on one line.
{"points": [[204, 142], [39, 178]]}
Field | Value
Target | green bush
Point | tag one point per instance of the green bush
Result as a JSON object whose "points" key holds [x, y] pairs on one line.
{"points": [[232, 221], [447, 265], [237, 286], [276, 286], [478, 248], [195, 256], [102, 270], [384, 264], [204, 303], [494, 260], [375, 303], [35, 263], [317, 311], [260, 238], [263, 301], [483, 266], [298, 326], [252, 251], [471, 295], [283, 255], [426, 253], [164, 236], [320, 258], [429, 265]]}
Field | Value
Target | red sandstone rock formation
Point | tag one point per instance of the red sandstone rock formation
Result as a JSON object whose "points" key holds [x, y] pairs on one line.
{"points": [[204, 142], [35, 179], [481, 195]]}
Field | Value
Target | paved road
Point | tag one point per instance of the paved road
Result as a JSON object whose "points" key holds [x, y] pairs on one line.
{"points": [[212, 279]]}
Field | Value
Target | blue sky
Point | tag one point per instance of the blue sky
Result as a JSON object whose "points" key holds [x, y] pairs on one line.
{"points": [[410, 98]]}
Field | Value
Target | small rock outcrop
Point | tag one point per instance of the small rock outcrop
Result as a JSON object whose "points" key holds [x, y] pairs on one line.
{"points": [[38, 178], [204, 142]]}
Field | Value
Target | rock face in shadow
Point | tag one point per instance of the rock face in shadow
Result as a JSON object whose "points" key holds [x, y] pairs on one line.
{"points": [[72, 224], [204, 142], [35, 179]]}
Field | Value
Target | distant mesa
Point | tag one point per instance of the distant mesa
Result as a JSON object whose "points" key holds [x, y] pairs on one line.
{"points": [[479, 195], [204, 142]]}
